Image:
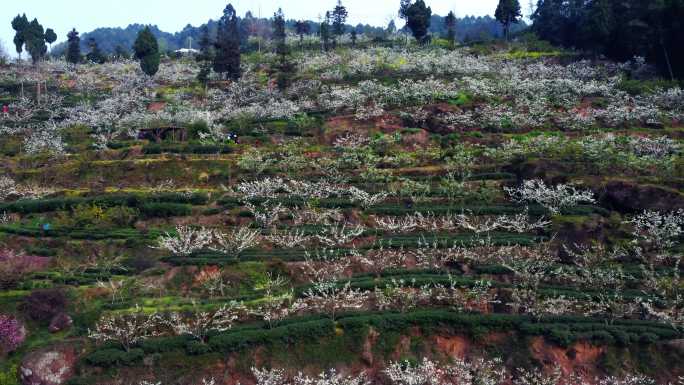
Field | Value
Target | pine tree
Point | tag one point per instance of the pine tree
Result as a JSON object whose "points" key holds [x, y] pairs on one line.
{"points": [[227, 59], [206, 55], [20, 24], [418, 17], [450, 22], [120, 52], [34, 36], [248, 27], [146, 50], [507, 13], [50, 36], [95, 55], [325, 32], [339, 17], [73, 53], [302, 28], [285, 67], [391, 27], [595, 31], [403, 9]]}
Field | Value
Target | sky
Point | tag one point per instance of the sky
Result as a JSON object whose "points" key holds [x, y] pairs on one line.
{"points": [[171, 15]]}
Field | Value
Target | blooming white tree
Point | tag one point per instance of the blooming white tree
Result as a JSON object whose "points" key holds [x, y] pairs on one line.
{"points": [[628, 379], [8, 188], [538, 377], [366, 199], [657, 231], [330, 298], [479, 371], [324, 264], [236, 241], [267, 214], [313, 215], [274, 310], [186, 240], [331, 377], [127, 329], [290, 239], [425, 373], [401, 295], [263, 188], [110, 117], [45, 139], [351, 141], [338, 235], [199, 324], [554, 198]]}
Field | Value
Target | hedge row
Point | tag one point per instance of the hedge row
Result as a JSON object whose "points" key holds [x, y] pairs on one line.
{"points": [[424, 208], [416, 279], [435, 178], [154, 149], [448, 240], [217, 258], [145, 202], [298, 254], [437, 209], [88, 234], [562, 330]]}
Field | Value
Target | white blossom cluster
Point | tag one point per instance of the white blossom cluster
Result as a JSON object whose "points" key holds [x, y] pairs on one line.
{"points": [[554, 198], [475, 371], [331, 377], [44, 140], [187, 240], [372, 61], [274, 187], [126, 330], [658, 231], [199, 324], [519, 223]]}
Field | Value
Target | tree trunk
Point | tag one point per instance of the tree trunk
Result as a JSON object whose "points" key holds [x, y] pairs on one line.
{"points": [[667, 57]]}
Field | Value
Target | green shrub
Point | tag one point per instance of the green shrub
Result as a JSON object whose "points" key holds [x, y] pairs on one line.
{"points": [[120, 216], [28, 206], [622, 338], [132, 356], [165, 210], [164, 344], [197, 348], [311, 329], [602, 336], [648, 338], [641, 87], [156, 149], [106, 357], [561, 337]]}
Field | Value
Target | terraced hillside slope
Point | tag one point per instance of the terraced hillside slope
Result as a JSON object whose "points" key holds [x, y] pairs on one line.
{"points": [[394, 215]]}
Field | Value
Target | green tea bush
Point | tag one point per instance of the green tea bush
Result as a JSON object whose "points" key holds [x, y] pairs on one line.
{"points": [[87, 215], [165, 344], [103, 201], [310, 329], [106, 358], [199, 149], [165, 210]]}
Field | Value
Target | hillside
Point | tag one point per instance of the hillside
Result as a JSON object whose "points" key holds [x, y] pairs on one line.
{"points": [[400, 215]]}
